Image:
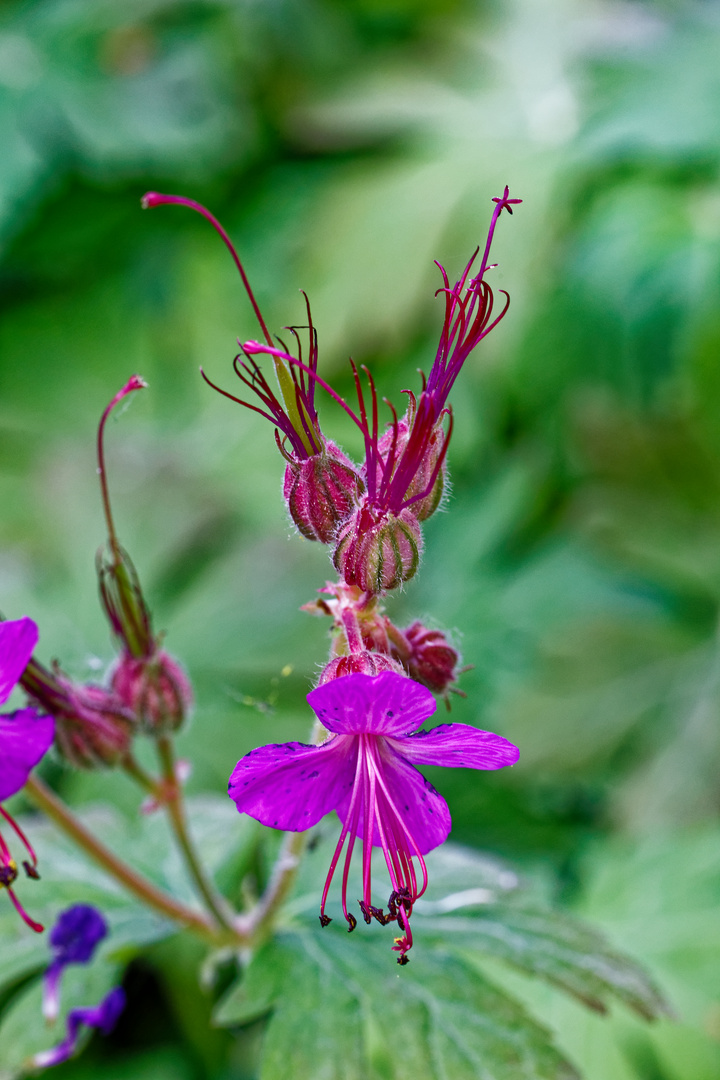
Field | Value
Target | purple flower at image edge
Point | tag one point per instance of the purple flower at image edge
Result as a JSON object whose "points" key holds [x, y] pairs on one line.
{"points": [[102, 1017], [25, 737], [366, 772], [73, 940]]}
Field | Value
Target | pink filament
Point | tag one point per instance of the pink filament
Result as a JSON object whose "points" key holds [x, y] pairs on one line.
{"points": [[371, 799]]}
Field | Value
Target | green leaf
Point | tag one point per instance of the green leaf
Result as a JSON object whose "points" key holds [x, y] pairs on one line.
{"points": [[24, 1032], [339, 1004], [70, 877], [477, 907], [342, 1010]]}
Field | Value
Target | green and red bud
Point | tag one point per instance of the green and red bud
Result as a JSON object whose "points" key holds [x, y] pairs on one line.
{"points": [[155, 690], [430, 468], [93, 728], [321, 492], [431, 659], [377, 551], [359, 663]]}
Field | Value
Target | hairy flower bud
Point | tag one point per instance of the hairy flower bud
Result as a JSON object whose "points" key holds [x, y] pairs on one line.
{"points": [[378, 550], [321, 492], [123, 601], [360, 663], [93, 728], [394, 443], [156, 690], [432, 661]]}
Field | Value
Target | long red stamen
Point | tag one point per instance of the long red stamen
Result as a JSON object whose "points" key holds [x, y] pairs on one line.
{"points": [[353, 812], [153, 198], [36, 926], [14, 825]]}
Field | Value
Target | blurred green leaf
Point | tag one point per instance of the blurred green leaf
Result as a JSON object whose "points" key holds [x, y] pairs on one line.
{"points": [[23, 1030], [341, 1010]]}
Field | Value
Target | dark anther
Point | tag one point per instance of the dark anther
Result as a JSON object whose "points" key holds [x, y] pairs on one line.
{"points": [[8, 873], [367, 912], [31, 871], [352, 923], [400, 919], [325, 920], [403, 959], [392, 907], [379, 914]]}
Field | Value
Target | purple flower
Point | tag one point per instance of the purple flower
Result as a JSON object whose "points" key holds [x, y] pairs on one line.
{"points": [[103, 1017], [73, 940], [366, 772], [25, 736]]}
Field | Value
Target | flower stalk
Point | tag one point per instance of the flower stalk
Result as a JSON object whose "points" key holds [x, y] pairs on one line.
{"points": [[140, 887], [175, 807]]}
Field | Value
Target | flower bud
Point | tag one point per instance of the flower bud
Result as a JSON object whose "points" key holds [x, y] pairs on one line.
{"points": [[360, 663], [395, 443], [378, 550], [432, 661], [321, 492], [93, 728], [122, 598], [156, 691]]}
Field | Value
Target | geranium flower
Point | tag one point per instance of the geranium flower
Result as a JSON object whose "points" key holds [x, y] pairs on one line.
{"points": [[25, 737], [365, 771]]}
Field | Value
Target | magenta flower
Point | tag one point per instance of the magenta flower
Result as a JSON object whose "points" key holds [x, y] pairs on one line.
{"points": [[366, 772], [25, 737]]}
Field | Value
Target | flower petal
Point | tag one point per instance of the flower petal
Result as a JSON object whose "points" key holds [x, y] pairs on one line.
{"points": [[25, 736], [424, 812], [18, 638], [292, 785], [457, 746], [384, 704]]}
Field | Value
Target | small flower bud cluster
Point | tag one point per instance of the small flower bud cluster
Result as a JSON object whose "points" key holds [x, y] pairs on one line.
{"points": [[367, 642]]}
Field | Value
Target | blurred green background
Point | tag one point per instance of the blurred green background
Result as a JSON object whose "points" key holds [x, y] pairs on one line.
{"points": [[346, 144]]}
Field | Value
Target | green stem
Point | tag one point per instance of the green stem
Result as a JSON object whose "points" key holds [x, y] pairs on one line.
{"points": [[134, 769], [258, 922], [174, 804], [135, 883]]}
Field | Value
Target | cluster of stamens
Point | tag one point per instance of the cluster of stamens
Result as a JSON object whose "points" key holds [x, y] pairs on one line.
{"points": [[9, 870]]}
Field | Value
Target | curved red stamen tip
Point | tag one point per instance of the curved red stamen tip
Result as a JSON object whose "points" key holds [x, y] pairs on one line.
{"points": [[153, 198], [36, 926]]}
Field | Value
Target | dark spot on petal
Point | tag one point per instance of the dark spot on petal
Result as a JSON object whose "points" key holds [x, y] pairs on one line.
{"points": [[313, 774]]}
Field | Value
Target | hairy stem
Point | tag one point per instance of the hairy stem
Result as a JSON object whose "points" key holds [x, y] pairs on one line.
{"points": [[135, 883], [175, 806]]}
